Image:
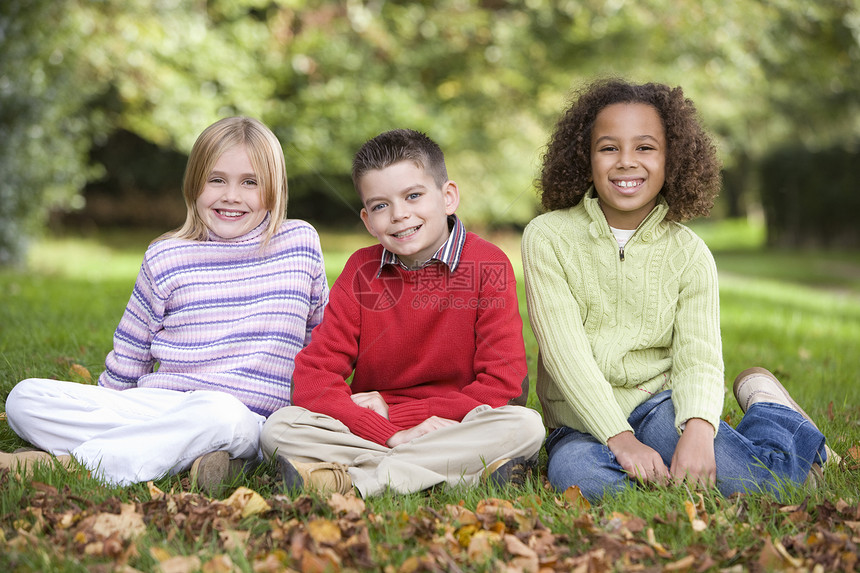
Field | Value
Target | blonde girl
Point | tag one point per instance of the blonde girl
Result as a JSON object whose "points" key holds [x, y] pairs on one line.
{"points": [[204, 351]]}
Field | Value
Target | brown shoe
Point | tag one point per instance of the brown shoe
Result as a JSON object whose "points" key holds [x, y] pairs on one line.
{"points": [[755, 385], [507, 471], [210, 471], [320, 476]]}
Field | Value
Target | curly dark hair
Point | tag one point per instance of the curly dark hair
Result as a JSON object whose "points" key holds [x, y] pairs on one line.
{"points": [[692, 168]]}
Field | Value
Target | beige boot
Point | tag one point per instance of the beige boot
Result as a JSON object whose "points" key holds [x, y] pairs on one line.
{"points": [[210, 471], [23, 462], [760, 385], [321, 476]]}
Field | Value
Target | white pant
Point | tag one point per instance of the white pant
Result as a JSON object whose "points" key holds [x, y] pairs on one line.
{"points": [[134, 435], [451, 455]]}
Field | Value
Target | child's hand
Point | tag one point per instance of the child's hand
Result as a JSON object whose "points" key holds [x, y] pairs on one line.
{"points": [[429, 425], [694, 459], [638, 460], [372, 401]]}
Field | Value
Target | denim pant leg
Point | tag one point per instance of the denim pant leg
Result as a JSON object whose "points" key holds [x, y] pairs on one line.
{"points": [[578, 458], [771, 445]]}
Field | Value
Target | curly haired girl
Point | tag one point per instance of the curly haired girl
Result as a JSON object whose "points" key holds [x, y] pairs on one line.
{"points": [[624, 303]]}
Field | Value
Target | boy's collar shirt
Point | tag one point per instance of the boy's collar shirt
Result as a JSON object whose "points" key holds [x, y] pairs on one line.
{"points": [[449, 253]]}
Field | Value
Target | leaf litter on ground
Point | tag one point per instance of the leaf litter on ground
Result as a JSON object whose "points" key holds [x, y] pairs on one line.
{"points": [[340, 533]]}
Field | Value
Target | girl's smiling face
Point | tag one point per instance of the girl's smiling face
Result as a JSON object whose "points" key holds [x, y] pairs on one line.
{"points": [[231, 202], [628, 162]]}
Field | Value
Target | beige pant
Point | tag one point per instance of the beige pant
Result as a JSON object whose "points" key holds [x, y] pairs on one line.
{"points": [[451, 455]]}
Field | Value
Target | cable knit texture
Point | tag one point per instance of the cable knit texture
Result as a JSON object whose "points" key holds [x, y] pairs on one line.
{"points": [[226, 315], [432, 342], [614, 332]]}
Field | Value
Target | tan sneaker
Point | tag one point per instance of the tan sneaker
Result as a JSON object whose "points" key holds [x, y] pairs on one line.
{"points": [[320, 476], [506, 471], [755, 385], [210, 471], [23, 460]]}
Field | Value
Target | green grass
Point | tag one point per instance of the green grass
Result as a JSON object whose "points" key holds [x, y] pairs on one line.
{"points": [[796, 313]]}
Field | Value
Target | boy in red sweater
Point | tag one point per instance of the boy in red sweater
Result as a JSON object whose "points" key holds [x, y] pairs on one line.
{"points": [[428, 325]]}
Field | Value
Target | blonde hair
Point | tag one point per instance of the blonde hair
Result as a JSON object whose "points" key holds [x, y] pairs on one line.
{"points": [[267, 158]]}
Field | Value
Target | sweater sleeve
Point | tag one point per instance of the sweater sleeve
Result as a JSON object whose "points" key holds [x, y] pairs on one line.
{"points": [[319, 297], [131, 356], [697, 363], [565, 349], [322, 367], [499, 359]]}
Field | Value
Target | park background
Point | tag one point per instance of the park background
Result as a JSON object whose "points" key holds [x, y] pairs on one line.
{"points": [[100, 102]]}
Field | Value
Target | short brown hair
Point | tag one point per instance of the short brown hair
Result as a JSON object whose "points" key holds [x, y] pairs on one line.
{"points": [[398, 145]]}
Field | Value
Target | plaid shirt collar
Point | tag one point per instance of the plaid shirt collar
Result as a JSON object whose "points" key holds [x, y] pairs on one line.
{"points": [[448, 254]]}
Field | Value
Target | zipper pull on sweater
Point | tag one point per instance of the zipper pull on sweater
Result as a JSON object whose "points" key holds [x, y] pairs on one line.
{"points": [[621, 253]]}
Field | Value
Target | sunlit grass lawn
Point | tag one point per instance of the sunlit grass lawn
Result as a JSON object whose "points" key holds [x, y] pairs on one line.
{"points": [[796, 313]]}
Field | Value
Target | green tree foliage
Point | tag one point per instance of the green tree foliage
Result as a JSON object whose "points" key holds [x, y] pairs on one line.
{"points": [[485, 78], [46, 127]]}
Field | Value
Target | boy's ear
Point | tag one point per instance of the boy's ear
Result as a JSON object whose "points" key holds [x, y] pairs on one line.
{"points": [[452, 197], [366, 220]]}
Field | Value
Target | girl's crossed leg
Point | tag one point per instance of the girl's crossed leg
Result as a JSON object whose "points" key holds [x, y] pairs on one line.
{"points": [[772, 444], [133, 435]]}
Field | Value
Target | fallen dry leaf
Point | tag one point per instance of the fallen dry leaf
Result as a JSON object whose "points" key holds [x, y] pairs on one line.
{"points": [[248, 501], [127, 525], [852, 458], [481, 546], [273, 562], [524, 558], [234, 539], [773, 556], [574, 497], [180, 564], [324, 531], [154, 492], [77, 369], [348, 504], [698, 524], [220, 564], [327, 562], [652, 541]]}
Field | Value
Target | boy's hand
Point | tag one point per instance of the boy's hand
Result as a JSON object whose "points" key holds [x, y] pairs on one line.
{"points": [[694, 459], [372, 401], [430, 424], [638, 460]]}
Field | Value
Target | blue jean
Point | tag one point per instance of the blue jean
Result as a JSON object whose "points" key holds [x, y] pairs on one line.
{"points": [[773, 444]]}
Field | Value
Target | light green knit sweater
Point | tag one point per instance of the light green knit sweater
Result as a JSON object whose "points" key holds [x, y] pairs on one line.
{"points": [[614, 332]]}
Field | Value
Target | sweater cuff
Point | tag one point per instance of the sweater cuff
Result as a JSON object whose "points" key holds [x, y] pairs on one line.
{"points": [[408, 414], [605, 430], [371, 426]]}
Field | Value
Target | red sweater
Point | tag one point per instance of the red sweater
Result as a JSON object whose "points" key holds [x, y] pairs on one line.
{"points": [[431, 342]]}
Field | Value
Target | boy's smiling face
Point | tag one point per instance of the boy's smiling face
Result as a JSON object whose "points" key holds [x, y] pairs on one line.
{"points": [[406, 210]]}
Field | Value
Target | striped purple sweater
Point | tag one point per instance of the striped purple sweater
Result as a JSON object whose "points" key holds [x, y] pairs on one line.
{"points": [[222, 315]]}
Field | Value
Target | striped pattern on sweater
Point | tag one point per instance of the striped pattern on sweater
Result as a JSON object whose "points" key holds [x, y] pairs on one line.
{"points": [[222, 315]]}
